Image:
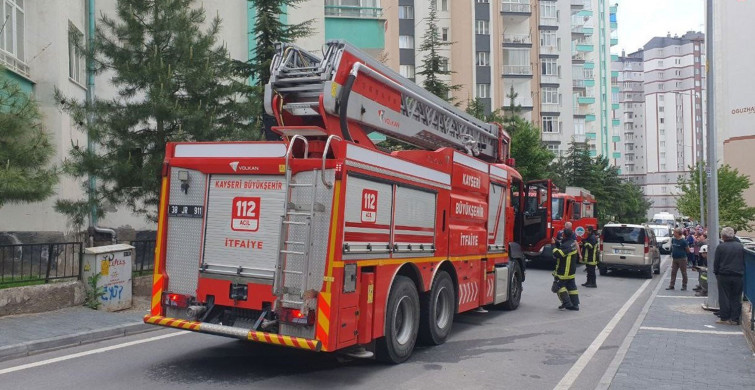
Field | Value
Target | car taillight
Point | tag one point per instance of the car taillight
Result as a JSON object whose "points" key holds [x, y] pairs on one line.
{"points": [[296, 316], [647, 244], [601, 243], [176, 300]]}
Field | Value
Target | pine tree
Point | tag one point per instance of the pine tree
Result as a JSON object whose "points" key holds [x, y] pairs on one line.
{"points": [[174, 81], [268, 31], [434, 65], [25, 147]]}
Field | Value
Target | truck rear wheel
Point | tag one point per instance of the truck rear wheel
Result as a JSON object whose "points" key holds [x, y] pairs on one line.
{"points": [[515, 288], [401, 322], [437, 311]]}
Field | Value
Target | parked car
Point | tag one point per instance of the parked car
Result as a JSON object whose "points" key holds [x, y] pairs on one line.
{"points": [[629, 247], [663, 236]]}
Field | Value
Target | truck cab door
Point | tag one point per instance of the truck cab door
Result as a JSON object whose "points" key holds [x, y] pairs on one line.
{"points": [[537, 214]]}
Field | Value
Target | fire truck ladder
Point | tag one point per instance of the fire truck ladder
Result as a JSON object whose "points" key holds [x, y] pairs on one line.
{"points": [[301, 81], [296, 233]]}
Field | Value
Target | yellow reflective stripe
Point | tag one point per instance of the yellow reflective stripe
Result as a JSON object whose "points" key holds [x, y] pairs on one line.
{"points": [[573, 292], [562, 289]]}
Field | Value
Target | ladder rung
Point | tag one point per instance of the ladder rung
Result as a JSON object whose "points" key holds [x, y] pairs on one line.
{"points": [[294, 223], [292, 302], [292, 252], [294, 243], [292, 272], [299, 213], [301, 185]]}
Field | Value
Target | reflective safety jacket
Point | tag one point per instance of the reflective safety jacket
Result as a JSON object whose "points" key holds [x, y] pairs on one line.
{"points": [[590, 256], [566, 255]]}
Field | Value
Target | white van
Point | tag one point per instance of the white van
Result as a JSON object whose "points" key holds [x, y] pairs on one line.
{"points": [[664, 218]]}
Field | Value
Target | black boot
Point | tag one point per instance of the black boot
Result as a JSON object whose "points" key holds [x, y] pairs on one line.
{"points": [[566, 302], [591, 282], [574, 298]]}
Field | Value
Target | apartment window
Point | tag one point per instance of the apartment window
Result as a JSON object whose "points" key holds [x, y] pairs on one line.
{"points": [[678, 61], [661, 120], [443, 66], [548, 9], [662, 144], [661, 132], [483, 1], [552, 147], [550, 95], [579, 126], [76, 59], [483, 91], [660, 75], [697, 59], [697, 83], [549, 66], [550, 124], [678, 84], [660, 63], [482, 27], [444, 34], [12, 36], [406, 42], [660, 109], [697, 70], [406, 12], [660, 98], [483, 58], [548, 38], [663, 167], [660, 86], [406, 71], [663, 155]]}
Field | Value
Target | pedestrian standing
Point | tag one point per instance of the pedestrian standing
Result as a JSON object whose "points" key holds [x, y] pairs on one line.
{"points": [[590, 256], [566, 256], [690, 241], [679, 250], [729, 269]]}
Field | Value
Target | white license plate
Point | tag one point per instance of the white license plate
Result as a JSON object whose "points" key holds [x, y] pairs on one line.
{"points": [[623, 251]]}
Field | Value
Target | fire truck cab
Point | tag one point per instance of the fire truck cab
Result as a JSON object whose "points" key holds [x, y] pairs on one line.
{"points": [[321, 241]]}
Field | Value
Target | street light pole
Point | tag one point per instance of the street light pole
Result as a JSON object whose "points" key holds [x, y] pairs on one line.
{"points": [[712, 171]]}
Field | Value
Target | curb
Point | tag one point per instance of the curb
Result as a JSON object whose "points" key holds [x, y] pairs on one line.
{"points": [[53, 343]]}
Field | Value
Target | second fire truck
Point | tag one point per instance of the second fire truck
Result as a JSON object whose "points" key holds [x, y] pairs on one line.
{"points": [[323, 242]]}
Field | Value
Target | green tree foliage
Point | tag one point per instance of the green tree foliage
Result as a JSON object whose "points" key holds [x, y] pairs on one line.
{"points": [[732, 208], [174, 81], [25, 147], [434, 65], [532, 158], [618, 199]]}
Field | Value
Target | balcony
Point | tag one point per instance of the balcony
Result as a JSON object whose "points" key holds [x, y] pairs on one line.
{"points": [[550, 107], [517, 40], [516, 8], [615, 138], [549, 79], [577, 4], [585, 47], [578, 84], [586, 99], [590, 118], [614, 106], [351, 11], [614, 41], [591, 136], [578, 57], [616, 122], [524, 103], [582, 30], [517, 70], [548, 21]]}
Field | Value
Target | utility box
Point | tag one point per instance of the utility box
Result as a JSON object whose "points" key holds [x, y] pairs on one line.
{"points": [[113, 264]]}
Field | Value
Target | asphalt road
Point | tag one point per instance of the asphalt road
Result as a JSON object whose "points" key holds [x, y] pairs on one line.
{"points": [[534, 347]]}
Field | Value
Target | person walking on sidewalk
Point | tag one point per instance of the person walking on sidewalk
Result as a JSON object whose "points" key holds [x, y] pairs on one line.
{"points": [[566, 255], [679, 250], [590, 257], [729, 268]]}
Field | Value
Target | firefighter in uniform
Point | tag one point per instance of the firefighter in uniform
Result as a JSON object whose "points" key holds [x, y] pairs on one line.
{"points": [[590, 256], [566, 255]]}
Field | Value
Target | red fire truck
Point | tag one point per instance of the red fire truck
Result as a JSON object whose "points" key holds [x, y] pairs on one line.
{"points": [[576, 205], [323, 242]]}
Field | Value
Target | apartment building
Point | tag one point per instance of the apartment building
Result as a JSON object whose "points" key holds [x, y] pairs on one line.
{"points": [[631, 114]]}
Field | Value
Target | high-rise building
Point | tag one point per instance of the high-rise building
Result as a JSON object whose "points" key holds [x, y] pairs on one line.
{"points": [[631, 115], [663, 120]]}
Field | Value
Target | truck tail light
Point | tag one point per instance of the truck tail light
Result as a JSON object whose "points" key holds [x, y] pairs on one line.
{"points": [[176, 300], [296, 316]]}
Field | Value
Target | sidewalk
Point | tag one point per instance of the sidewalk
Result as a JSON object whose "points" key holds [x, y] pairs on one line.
{"points": [[28, 334], [678, 345]]}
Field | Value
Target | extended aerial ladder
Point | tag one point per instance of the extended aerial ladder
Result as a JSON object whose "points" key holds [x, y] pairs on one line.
{"points": [[350, 94]]}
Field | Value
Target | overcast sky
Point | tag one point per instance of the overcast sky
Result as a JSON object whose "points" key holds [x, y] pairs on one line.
{"points": [[641, 20]]}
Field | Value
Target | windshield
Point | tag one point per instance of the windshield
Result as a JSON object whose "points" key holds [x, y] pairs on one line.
{"points": [[663, 221], [661, 232], [557, 209], [624, 235]]}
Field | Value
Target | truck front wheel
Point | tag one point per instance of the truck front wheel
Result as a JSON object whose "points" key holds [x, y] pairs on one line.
{"points": [[401, 322], [437, 311]]}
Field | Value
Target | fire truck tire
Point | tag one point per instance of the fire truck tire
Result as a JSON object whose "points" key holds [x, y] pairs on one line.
{"points": [[401, 322], [437, 311], [515, 289]]}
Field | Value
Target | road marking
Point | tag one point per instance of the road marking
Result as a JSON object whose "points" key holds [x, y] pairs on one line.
{"points": [[688, 330], [605, 381], [571, 376], [92, 352], [679, 296]]}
